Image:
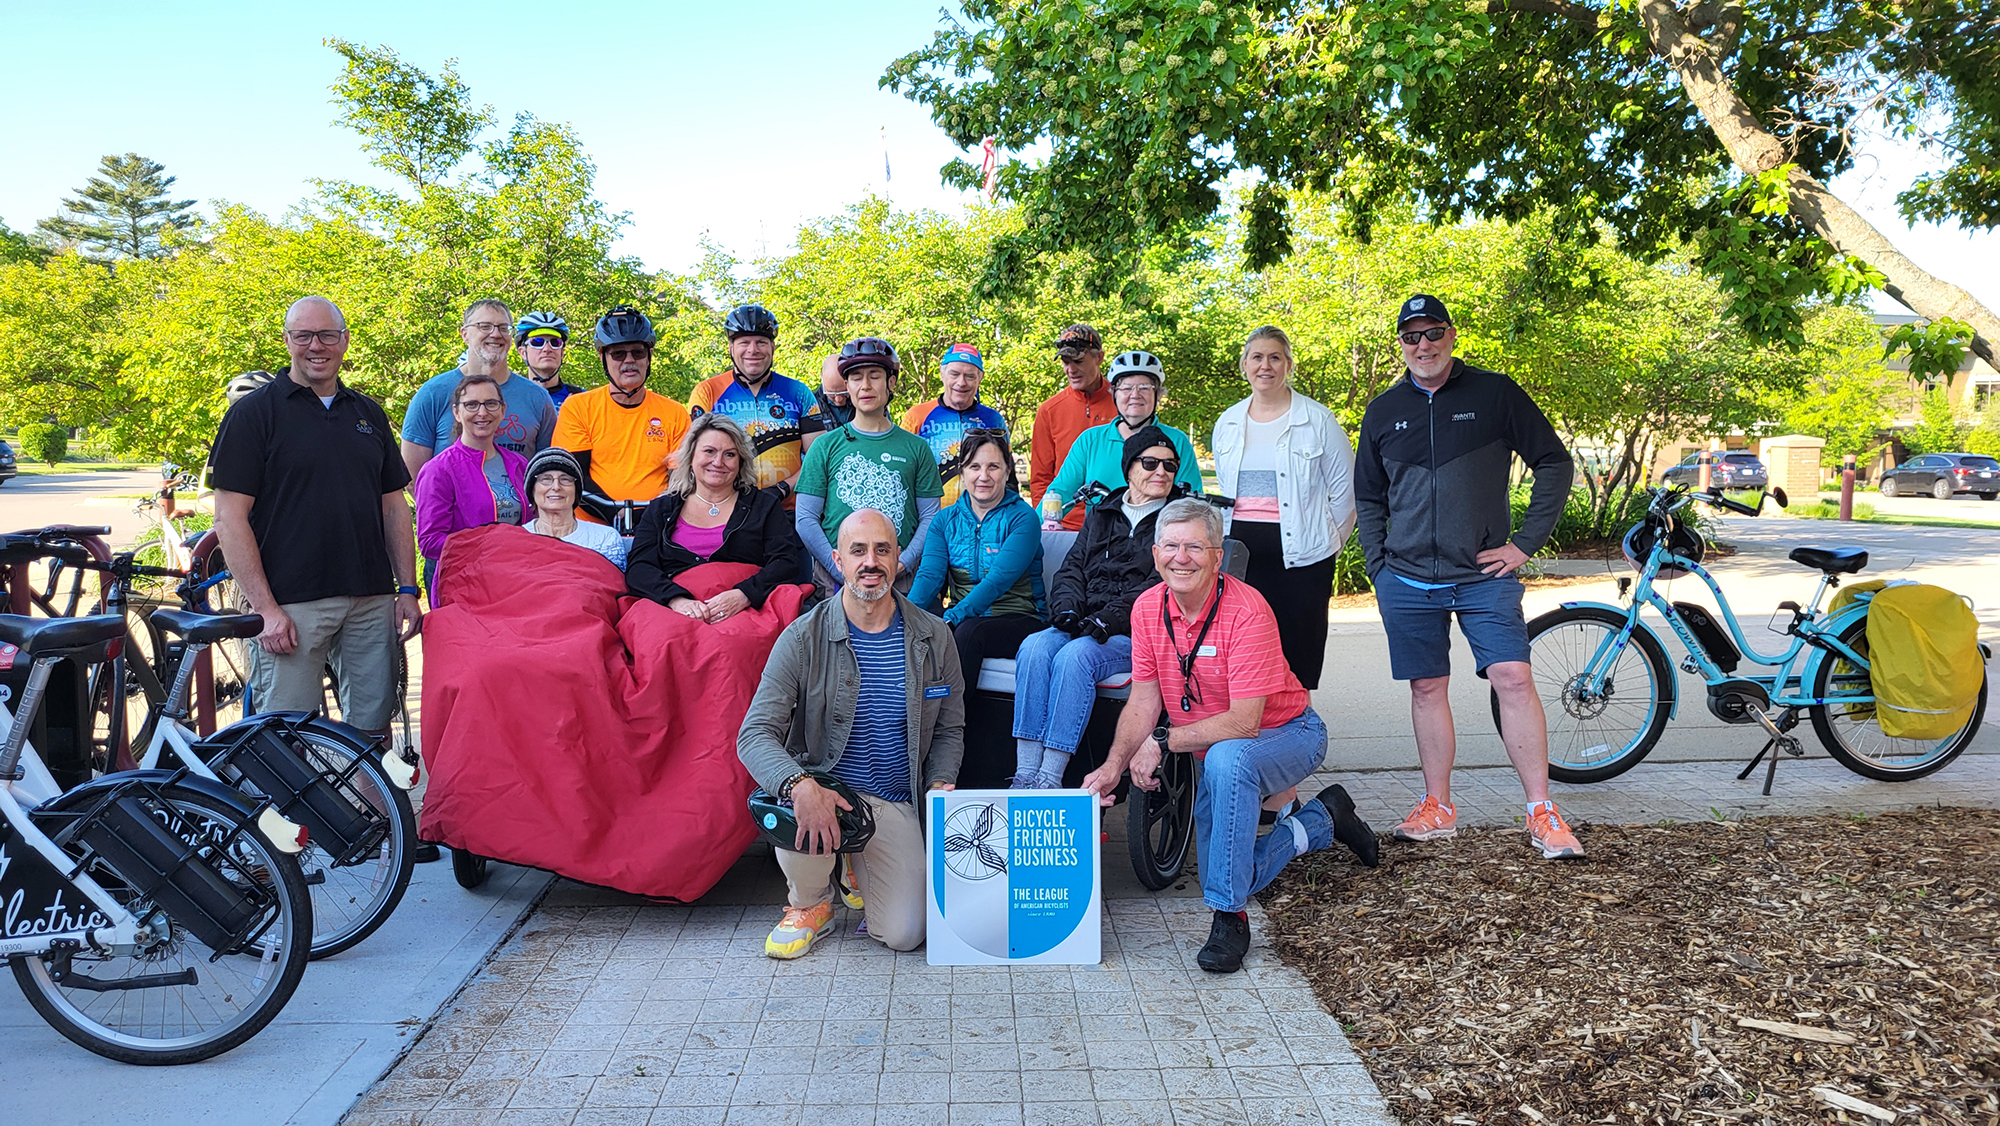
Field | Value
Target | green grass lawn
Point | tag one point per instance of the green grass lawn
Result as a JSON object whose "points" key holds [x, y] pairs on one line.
{"points": [[1828, 508], [78, 465]]}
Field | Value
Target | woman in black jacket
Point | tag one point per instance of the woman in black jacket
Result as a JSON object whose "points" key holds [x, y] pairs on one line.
{"points": [[1090, 609], [713, 512]]}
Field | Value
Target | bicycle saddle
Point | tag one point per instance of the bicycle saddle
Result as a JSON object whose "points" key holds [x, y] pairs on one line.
{"points": [[1832, 560], [79, 638], [205, 629]]}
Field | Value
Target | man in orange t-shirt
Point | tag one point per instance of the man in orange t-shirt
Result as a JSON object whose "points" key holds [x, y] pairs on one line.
{"points": [[1205, 651], [623, 434], [1084, 403]]}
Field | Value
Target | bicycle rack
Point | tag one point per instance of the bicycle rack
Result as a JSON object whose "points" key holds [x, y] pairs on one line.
{"points": [[337, 816]]}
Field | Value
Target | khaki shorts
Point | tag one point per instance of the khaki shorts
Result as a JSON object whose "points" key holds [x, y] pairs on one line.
{"points": [[356, 636]]}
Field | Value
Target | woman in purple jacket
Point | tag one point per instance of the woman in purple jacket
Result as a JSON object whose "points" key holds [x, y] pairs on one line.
{"points": [[473, 482]]}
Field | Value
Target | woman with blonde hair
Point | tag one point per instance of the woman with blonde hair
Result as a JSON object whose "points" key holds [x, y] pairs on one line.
{"points": [[1290, 467], [713, 512]]}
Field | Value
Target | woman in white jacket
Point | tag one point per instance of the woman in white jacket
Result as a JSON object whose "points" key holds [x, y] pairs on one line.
{"points": [[1290, 467]]}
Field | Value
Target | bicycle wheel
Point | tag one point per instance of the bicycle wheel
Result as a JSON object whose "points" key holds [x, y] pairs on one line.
{"points": [[1597, 735], [229, 660], [234, 993], [351, 902], [1851, 734], [1159, 826], [123, 689]]}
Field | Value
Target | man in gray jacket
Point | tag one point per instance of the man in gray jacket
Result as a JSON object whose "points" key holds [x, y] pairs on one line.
{"points": [[867, 688]]}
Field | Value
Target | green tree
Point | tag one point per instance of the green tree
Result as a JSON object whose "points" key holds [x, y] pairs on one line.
{"points": [[45, 442], [412, 124], [66, 319], [18, 247], [1938, 429], [1849, 398], [123, 212], [1712, 127]]}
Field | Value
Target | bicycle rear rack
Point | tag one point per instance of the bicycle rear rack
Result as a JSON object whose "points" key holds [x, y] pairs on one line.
{"points": [[272, 756], [202, 885]]}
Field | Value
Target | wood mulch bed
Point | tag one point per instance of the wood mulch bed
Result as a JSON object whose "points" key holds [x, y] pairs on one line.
{"points": [[1775, 970]]}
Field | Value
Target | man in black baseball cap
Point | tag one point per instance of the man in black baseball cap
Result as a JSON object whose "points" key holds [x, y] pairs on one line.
{"points": [[1422, 307], [1083, 403]]}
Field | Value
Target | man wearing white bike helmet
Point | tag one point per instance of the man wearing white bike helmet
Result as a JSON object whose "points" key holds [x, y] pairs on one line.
{"points": [[1136, 378], [542, 339]]}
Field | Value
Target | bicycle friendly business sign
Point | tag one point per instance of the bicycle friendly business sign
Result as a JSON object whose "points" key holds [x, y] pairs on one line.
{"points": [[1013, 877]]}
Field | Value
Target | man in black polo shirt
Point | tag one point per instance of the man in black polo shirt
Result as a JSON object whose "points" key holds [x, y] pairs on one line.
{"points": [[309, 507]]}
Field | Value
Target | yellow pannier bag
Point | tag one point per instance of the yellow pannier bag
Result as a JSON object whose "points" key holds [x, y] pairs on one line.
{"points": [[1923, 660]]}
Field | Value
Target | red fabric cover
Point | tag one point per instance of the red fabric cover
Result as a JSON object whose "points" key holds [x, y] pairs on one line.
{"points": [[571, 727]]}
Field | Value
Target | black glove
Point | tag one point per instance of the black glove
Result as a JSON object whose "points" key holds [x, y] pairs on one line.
{"points": [[1097, 629], [1068, 622]]}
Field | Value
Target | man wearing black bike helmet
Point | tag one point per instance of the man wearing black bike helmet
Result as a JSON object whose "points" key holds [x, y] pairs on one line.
{"points": [[623, 432], [542, 339], [868, 463], [768, 406], [847, 687]]}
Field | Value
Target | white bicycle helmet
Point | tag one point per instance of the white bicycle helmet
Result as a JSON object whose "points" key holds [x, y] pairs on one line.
{"points": [[529, 322], [1137, 363]]}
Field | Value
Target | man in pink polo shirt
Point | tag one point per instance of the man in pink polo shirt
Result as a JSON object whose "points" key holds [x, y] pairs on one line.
{"points": [[1209, 678]]}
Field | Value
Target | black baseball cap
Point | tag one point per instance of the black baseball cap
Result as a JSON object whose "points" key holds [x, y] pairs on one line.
{"points": [[1078, 339], [1423, 305]]}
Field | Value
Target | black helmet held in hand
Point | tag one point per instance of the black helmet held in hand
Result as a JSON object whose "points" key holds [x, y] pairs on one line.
{"points": [[779, 825], [624, 325], [750, 320]]}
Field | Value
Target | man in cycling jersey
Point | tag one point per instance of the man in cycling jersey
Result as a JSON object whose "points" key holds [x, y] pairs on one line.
{"points": [[487, 329], [768, 406], [942, 422], [623, 432], [542, 339]]}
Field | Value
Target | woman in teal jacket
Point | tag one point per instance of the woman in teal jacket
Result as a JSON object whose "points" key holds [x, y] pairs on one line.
{"points": [[1098, 455], [983, 554]]}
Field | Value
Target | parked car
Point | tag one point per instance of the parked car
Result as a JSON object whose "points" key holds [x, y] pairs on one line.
{"points": [[7, 467], [1732, 470], [1941, 475]]}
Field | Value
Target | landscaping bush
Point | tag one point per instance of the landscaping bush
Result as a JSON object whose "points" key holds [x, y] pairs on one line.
{"points": [[1828, 510], [45, 442]]}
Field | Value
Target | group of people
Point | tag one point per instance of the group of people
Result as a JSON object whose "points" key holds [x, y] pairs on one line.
{"points": [[931, 562]]}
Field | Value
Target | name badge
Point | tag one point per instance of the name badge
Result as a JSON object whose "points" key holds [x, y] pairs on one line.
{"points": [[937, 692], [1205, 651]]}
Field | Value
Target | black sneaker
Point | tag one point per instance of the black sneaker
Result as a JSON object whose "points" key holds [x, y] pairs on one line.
{"points": [[426, 852], [1348, 828], [1228, 941]]}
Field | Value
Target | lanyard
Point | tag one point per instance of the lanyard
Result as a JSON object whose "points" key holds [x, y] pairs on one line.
{"points": [[1186, 660]]}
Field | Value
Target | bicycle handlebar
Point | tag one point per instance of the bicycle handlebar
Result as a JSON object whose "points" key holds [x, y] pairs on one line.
{"points": [[35, 547]]}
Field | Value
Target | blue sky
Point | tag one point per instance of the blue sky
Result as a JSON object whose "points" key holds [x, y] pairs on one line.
{"points": [[737, 121]]}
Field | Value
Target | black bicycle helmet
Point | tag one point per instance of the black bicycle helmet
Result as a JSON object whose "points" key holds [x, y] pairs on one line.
{"points": [[777, 824], [868, 350], [624, 325], [241, 385], [1682, 541], [750, 320]]}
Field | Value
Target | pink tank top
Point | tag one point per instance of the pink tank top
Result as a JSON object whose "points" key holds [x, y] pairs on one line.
{"points": [[702, 541]]}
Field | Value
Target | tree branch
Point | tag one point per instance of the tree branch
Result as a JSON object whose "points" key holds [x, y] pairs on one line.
{"points": [[1756, 150]]}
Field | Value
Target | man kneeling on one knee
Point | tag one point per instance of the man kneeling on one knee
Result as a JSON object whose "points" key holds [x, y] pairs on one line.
{"points": [[1205, 651], [865, 687]]}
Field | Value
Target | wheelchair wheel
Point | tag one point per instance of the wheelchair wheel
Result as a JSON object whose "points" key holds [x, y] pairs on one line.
{"points": [[1159, 826], [469, 869]]}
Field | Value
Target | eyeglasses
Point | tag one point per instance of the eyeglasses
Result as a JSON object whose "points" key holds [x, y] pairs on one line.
{"points": [[487, 328], [1423, 334], [1153, 464], [633, 353], [837, 398], [544, 342], [482, 406], [1195, 549], [1134, 387], [305, 336]]}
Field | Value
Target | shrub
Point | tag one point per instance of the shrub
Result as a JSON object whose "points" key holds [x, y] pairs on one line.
{"points": [[45, 442], [1829, 510]]}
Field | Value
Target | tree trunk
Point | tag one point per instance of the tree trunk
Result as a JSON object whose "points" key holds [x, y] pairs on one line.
{"points": [[1756, 150]]}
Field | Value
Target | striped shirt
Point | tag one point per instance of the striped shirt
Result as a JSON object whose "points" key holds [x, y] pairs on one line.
{"points": [[877, 758]]}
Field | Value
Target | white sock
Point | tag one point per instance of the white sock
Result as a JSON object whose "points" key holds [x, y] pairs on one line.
{"points": [[1533, 806], [1027, 757], [1053, 765]]}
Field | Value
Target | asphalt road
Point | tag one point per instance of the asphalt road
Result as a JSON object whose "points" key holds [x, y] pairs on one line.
{"points": [[35, 500]]}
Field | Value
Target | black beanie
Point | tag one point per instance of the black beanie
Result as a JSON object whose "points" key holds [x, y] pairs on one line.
{"points": [[1143, 439]]}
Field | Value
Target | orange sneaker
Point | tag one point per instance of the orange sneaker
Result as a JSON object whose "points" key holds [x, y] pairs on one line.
{"points": [[1430, 821], [1550, 834], [798, 930]]}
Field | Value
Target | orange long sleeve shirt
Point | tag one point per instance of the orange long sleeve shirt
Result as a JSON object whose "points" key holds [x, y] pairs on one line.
{"points": [[1061, 417]]}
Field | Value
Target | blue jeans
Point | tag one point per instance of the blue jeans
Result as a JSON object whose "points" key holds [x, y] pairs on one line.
{"points": [[1236, 778], [1055, 684]]}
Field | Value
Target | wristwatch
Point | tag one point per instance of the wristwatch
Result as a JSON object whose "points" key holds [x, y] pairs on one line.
{"points": [[413, 592], [1160, 736]]}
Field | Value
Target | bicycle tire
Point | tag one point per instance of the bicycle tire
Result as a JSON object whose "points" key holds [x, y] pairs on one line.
{"points": [[1842, 734], [353, 902], [1159, 825], [1557, 652], [256, 982]]}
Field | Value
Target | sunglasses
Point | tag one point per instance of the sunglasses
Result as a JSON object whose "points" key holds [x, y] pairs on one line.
{"points": [[1153, 464], [623, 354], [1422, 334], [544, 342], [985, 432]]}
